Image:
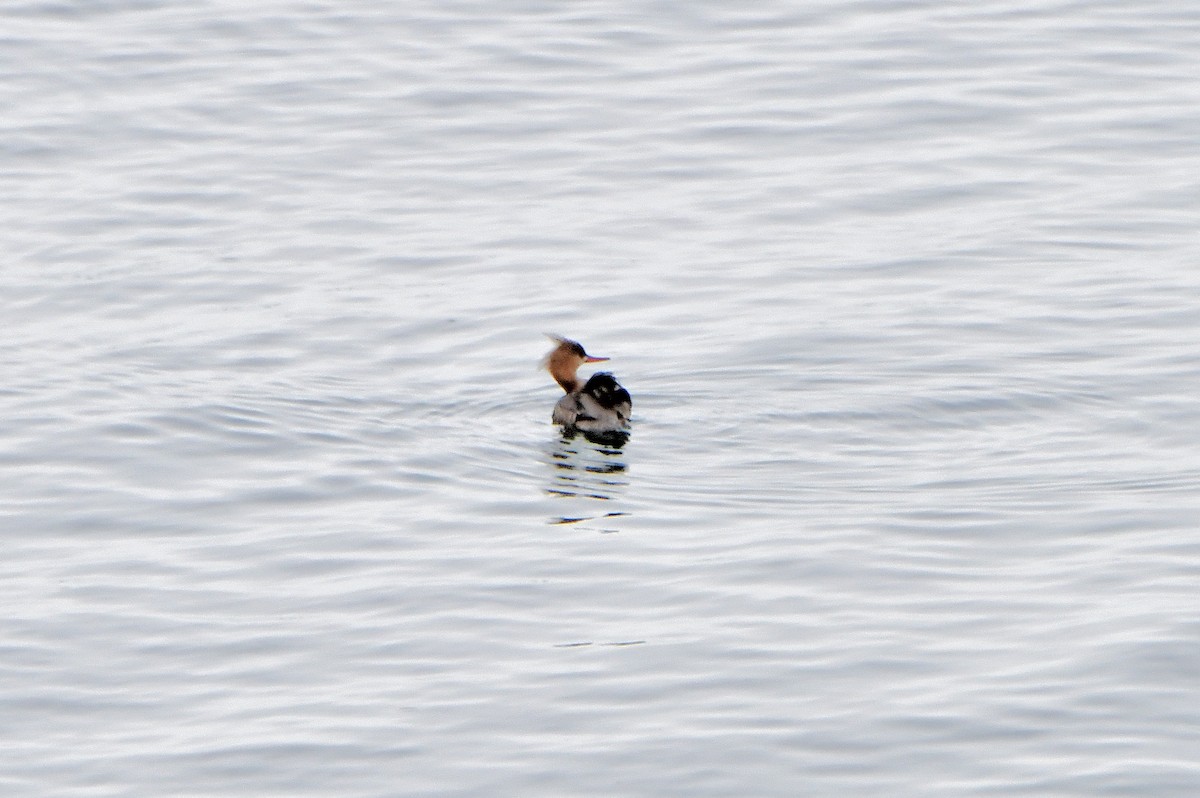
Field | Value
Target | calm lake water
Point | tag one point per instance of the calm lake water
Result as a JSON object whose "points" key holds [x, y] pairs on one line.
{"points": [[907, 296]]}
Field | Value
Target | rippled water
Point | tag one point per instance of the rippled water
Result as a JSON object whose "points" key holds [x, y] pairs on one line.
{"points": [[906, 296]]}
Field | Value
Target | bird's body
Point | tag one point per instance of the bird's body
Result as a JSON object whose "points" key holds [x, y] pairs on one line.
{"points": [[598, 406]]}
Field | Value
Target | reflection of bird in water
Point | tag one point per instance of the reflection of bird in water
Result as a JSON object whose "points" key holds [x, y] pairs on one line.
{"points": [[589, 472], [593, 472], [599, 408]]}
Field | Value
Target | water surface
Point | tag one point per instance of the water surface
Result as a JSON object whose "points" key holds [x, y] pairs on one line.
{"points": [[904, 294]]}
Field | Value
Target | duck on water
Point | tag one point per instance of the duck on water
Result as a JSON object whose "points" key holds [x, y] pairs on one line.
{"points": [[600, 407]]}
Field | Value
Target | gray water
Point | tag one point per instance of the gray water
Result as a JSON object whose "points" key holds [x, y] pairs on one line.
{"points": [[907, 297]]}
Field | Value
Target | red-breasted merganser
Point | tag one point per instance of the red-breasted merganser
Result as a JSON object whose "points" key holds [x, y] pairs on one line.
{"points": [[600, 405]]}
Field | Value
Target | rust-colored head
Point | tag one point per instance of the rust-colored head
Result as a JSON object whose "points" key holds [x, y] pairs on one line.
{"points": [[565, 359]]}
